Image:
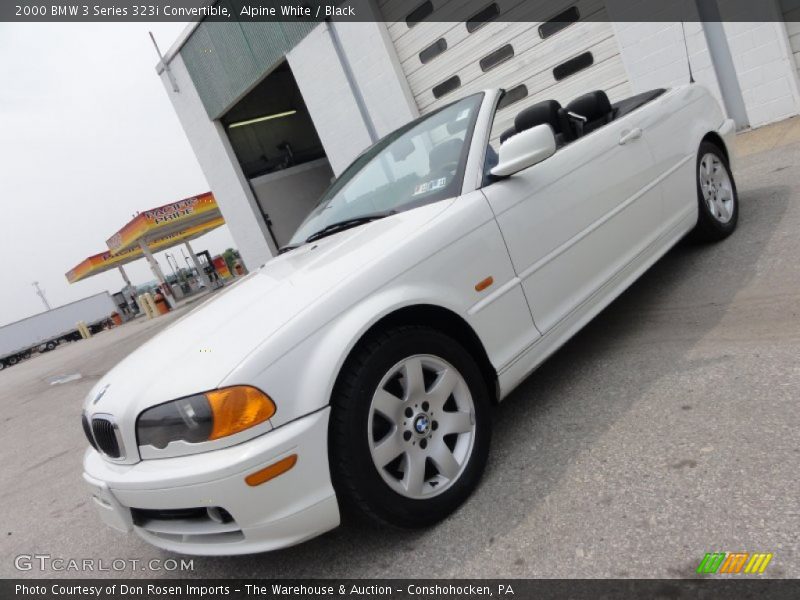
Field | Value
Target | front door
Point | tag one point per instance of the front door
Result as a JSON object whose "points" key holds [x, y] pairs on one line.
{"points": [[574, 220]]}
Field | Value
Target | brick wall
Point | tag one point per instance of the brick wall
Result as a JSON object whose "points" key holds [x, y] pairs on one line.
{"points": [[654, 55], [765, 69]]}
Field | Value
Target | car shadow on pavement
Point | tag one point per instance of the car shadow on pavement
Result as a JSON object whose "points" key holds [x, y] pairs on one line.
{"points": [[555, 418]]}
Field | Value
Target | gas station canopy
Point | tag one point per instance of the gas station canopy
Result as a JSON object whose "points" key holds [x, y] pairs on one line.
{"points": [[159, 223], [99, 263], [156, 229]]}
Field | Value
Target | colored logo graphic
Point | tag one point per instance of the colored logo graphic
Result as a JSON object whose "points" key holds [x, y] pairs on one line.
{"points": [[734, 562]]}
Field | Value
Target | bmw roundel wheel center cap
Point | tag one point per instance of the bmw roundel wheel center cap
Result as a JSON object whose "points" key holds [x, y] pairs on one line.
{"points": [[422, 424]]}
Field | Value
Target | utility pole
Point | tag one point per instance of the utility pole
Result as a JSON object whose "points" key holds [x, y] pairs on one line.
{"points": [[41, 295]]}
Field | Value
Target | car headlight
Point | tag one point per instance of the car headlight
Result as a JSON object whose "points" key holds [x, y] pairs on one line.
{"points": [[204, 417]]}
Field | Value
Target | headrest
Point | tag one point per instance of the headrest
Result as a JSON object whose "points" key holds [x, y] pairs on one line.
{"points": [[539, 114], [507, 134], [445, 153], [593, 106]]}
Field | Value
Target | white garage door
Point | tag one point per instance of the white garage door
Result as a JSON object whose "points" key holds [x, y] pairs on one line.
{"points": [[791, 14], [559, 59]]}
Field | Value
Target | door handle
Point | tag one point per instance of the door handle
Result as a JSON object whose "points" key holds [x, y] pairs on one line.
{"points": [[629, 136]]}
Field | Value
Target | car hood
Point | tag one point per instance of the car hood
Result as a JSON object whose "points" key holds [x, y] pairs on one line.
{"points": [[196, 352]]}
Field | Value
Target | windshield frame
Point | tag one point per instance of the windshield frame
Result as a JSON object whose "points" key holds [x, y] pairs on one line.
{"points": [[366, 158]]}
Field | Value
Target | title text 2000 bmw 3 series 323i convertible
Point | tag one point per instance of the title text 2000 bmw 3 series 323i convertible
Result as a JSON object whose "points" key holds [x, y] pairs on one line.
{"points": [[355, 372]]}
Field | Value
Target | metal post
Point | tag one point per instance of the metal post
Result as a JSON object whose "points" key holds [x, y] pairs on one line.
{"points": [[200, 272], [124, 276], [351, 81], [167, 255], [722, 62], [156, 268]]}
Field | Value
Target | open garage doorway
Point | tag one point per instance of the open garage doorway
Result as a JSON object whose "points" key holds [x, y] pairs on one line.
{"points": [[279, 151]]}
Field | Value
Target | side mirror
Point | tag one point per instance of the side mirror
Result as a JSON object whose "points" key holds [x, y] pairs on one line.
{"points": [[525, 149]]}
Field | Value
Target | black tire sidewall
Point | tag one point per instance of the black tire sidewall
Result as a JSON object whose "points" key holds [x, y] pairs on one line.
{"points": [[351, 446], [707, 222]]}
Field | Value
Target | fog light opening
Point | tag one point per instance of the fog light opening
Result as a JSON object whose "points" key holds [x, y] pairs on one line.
{"points": [[219, 515]]}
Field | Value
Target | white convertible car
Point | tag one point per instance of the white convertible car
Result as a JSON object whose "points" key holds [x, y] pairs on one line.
{"points": [[355, 372]]}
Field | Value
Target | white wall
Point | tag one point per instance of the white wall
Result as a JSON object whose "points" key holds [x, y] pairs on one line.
{"points": [[288, 195], [326, 92], [378, 74], [791, 15], [763, 69], [219, 165], [328, 95], [655, 56], [763, 61]]}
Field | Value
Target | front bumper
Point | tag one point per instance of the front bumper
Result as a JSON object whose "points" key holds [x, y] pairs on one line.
{"points": [[291, 508]]}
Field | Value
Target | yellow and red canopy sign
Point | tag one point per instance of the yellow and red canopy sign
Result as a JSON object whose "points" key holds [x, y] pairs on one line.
{"points": [[104, 261], [163, 221]]}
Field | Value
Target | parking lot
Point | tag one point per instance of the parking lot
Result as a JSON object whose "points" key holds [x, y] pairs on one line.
{"points": [[666, 429]]}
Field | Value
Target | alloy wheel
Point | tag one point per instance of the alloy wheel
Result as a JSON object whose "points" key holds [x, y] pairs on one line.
{"points": [[421, 426], [716, 186]]}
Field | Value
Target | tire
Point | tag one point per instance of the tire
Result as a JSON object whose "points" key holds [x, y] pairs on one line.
{"points": [[440, 439], [12, 360], [2, 365], [717, 198], [50, 346]]}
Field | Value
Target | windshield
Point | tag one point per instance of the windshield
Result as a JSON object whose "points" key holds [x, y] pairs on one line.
{"points": [[420, 163]]}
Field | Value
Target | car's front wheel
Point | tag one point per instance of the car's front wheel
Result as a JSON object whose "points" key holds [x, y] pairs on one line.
{"points": [[716, 194], [410, 427]]}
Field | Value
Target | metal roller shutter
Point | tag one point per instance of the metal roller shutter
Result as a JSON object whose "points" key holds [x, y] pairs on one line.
{"points": [[444, 61]]}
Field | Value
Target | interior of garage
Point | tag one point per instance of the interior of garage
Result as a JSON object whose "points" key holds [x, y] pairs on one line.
{"points": [[274, 139]]}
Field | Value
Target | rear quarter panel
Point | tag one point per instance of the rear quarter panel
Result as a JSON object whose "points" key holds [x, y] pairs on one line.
{"points": [[679, 120]]}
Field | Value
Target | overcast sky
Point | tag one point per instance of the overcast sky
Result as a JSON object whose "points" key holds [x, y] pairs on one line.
{"points": [[88, 137]]}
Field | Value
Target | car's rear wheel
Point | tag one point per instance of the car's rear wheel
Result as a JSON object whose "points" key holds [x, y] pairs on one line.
{"points": [[410, 427], [718, 210]]}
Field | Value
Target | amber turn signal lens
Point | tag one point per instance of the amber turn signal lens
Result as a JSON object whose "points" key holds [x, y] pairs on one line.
{"points": [[482, 285], [237, 408], [272, 471]]}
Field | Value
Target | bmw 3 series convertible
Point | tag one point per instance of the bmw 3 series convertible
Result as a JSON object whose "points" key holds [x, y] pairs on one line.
{"points": [[354, 373]]}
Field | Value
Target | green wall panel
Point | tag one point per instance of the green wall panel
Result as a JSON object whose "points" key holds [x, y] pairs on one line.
{"points": [[225, 60]]}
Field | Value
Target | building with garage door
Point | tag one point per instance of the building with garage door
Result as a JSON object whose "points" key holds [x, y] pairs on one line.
{"points": [[275, 110]]}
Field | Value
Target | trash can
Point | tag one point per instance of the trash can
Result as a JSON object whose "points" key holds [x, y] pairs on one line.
{"points": [[161, 304]]}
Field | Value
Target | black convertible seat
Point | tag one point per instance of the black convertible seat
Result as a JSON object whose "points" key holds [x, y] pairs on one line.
{"points": [[445, 155], [595, 107], [507, 134], [547, 112]]}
